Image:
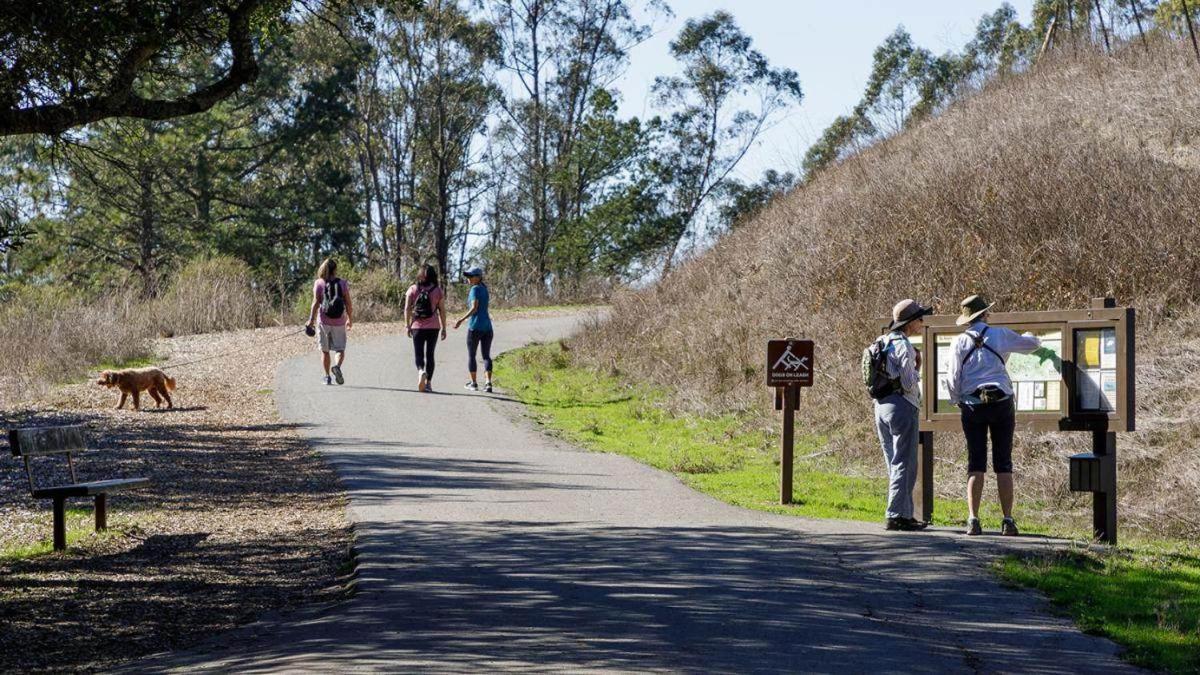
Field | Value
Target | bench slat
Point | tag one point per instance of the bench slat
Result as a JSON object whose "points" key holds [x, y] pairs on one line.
{"points": [[89, 489], [34, 441]]}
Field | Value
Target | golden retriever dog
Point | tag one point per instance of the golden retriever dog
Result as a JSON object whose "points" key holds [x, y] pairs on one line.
{"points": [[133, 381]]}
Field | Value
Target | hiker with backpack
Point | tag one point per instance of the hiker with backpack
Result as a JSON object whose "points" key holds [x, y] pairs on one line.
{"points": [[479, 329], [333, 313], [979, 385], [425, 317], [892, 373]]}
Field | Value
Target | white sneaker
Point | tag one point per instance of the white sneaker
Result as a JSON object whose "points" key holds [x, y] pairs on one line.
{"points": [[328, 380], [471, 386]]}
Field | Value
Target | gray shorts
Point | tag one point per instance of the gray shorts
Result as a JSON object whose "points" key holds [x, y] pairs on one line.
{"points": [[331, 338]]}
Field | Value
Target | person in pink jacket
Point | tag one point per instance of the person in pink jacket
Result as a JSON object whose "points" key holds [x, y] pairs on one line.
{"points": [[425, 317]]}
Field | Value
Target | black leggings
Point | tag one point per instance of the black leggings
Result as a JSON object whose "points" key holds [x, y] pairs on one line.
{"points": [[424, 343], [479, 338]]}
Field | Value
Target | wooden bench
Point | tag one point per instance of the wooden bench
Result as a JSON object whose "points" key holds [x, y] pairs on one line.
{"points": [[65, 440]]}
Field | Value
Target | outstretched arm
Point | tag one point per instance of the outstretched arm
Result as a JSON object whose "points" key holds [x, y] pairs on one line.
{"points": [[474, 309]]}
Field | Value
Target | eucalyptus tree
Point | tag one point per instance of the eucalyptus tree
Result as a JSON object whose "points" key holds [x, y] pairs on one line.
{"points": [[727, 95], [562, 58]]}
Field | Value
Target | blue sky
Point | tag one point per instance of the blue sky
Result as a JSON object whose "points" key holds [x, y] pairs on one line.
{"points": [[829, 44]]}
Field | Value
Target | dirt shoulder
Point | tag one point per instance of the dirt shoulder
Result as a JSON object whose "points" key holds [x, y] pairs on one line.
{"points": [[241, 518]]}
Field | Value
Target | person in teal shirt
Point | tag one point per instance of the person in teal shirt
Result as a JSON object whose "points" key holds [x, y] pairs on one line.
{"points": [[479, 329]]}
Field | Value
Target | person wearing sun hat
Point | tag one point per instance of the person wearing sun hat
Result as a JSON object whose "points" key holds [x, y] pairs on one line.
{"points": [[897, 413], [979, 385]]}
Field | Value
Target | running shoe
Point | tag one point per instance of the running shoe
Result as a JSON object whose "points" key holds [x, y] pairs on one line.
{"points": [[337, 374], [471, 386], [1008, 528], [973, 527], [488, 387], [428, 387], [328, 380]]}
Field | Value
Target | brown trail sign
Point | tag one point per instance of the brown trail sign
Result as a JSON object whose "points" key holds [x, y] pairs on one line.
{"points": [[789, 367]]}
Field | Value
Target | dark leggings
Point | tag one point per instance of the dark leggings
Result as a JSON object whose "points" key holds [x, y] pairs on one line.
{"points": [[424, 343], [479, 338]]}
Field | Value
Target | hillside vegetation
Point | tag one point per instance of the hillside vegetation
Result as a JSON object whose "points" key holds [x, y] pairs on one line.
{"points": [[1076, 179]]}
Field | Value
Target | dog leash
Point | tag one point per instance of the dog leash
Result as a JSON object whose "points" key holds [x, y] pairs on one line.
{"points": [[218, 356]]}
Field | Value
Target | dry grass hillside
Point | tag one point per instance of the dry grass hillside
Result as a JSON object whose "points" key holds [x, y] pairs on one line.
{"points": [[1078, 179]]}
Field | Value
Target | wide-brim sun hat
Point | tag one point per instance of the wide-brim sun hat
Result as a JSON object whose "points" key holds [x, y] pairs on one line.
{"points": [[906, 311], [473, 272], [973, 307]]}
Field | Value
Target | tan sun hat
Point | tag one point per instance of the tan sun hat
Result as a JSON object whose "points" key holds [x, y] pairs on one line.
{"points": [[972, 308], [907, 311]]}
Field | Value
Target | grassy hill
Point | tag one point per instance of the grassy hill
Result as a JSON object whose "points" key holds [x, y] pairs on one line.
{"points": [[1077, 179]]}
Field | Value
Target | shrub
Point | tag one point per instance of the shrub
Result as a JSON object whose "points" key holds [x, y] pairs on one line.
{"points": [[210, 295], [53, 335]]}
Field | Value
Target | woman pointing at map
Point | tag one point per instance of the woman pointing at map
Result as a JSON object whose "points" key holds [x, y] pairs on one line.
{"points": [[979, 385]]}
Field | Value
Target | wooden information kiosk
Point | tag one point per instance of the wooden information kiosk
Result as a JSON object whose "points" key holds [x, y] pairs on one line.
{"points": [[1081, 380]]}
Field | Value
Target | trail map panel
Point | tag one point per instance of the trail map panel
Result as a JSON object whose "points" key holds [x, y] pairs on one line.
{"points": [[1082, 378], [789, 363]]}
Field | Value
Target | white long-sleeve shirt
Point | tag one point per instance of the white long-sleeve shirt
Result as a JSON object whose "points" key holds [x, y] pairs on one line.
{"points": [[984, 368], [902, 364]]}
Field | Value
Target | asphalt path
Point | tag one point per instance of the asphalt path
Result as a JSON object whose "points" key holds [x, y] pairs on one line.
{"points": [[485, 545]]}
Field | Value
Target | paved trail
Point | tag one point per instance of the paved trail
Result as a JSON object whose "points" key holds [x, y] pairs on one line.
{"points": [[485, 546]]}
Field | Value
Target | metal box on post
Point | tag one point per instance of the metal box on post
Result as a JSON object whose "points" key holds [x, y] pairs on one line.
{"points": [[1087, 472]]}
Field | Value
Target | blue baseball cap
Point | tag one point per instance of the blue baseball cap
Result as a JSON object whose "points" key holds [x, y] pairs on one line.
{"points": [[474, 272]]}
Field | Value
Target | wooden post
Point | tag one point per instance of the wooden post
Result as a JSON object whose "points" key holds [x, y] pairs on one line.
{"points": [[791, 397], [60, 524], [1104, 504], [101, 512], [923, 491]]}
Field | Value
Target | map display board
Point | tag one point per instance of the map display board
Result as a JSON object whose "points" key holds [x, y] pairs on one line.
{"points": [[1036, 378], [1082, 377]]}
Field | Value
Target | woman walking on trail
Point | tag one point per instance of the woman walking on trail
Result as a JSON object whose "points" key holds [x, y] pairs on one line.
{"points": [[425, 316], [333, 312], [479, 329]]}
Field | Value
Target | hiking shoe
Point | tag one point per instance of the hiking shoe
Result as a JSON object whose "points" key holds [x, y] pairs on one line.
{"points": [[1008, 528], [337, 374], [973, 527], [488, 387], [471, 386], [904, 525], [328, 380]]}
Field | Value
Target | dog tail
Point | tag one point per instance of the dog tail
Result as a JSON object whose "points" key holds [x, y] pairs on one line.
{"points": [[170, 383]]}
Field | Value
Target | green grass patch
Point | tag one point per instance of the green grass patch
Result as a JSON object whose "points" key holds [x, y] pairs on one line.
{"points": [[139, 362], [80, 526], [1146, 599], [724, 456]]}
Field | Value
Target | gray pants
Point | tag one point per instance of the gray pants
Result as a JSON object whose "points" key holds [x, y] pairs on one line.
{"points": [[898, 425]]}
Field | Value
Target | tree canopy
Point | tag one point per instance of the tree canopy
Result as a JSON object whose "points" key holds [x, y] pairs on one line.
{"points": [[68, 64]]}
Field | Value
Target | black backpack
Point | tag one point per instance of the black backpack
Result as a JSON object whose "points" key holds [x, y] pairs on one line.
{"points": [[333, 306], [874, 369], [423, 307]]}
